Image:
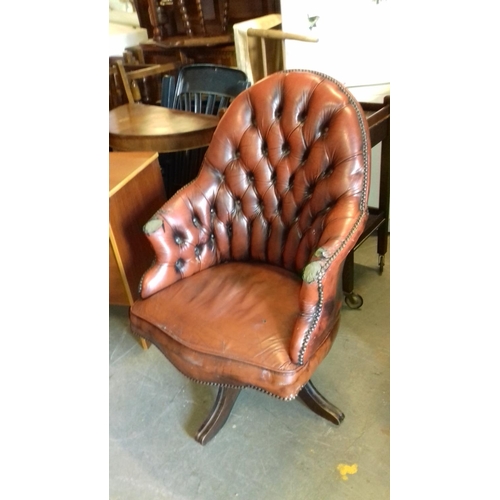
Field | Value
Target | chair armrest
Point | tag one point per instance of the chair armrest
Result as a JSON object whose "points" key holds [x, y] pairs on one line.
{"points": [[181, 238], [321, 293]]}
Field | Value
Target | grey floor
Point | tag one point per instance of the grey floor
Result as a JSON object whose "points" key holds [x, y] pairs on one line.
{"points": [[268, 449]]}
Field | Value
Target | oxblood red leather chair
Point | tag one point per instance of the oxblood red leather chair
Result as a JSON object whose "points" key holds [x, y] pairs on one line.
{"points": [[246, 287]]}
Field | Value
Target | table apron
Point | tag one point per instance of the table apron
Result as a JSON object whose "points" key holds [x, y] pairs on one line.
{"points": [[196, 139]]}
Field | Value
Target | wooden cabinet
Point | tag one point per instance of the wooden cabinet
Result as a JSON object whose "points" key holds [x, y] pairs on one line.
{"points": [[136, 192]]}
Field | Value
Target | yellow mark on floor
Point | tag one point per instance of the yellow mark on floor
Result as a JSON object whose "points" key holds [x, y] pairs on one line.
{"points": [[345, 469]]}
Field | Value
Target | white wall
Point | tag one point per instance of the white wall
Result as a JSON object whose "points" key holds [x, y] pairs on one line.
{"points": [[124, 27], [353, 37], [353, 48]]}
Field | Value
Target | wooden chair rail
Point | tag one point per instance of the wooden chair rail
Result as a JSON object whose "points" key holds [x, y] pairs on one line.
{"points": [[273, 34], [149, 70], [139, 82]]}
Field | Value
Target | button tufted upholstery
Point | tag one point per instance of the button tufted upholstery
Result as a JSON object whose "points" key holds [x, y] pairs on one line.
{"points": [[246, 287]]}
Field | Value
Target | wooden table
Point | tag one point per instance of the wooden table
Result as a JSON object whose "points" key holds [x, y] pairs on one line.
{"points": [[143, 127], [136, 192], [378, 117]]}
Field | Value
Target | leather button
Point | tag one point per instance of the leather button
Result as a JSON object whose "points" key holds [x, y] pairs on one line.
{"points": [[179, 264]]}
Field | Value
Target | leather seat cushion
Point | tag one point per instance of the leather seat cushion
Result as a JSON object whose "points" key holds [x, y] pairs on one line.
{"points": [[235, 336]]}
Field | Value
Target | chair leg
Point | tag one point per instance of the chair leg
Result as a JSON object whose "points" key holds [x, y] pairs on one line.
{"points": [[224, 402], [319, 405]]}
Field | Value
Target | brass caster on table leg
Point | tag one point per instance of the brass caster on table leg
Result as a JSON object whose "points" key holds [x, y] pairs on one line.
{"points": [[353, 300]]}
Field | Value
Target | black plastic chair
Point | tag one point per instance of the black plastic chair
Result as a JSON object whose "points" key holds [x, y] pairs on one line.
{"points": [[208, 88], [200, 88]]}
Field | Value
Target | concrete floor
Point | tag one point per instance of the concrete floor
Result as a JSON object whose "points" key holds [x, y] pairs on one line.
{"points": [[268, 449]]}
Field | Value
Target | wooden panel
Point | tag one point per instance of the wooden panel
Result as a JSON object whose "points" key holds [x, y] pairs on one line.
{"points": [[123, 167], [141, 7], [242, 10], [117, 293], [136, 193]]}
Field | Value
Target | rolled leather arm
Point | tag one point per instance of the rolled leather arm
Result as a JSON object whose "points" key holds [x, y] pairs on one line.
{"points": [[181, 238], [321, 292]]}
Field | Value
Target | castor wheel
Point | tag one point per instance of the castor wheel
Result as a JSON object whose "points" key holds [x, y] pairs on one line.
{"points": [[353, 300], [381, 262]]}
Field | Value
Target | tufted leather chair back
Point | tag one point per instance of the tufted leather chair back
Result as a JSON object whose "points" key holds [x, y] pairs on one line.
{"points": [[279, 162]]}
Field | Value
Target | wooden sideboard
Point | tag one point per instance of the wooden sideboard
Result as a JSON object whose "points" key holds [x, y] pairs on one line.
{"points": [[136, 192]]}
